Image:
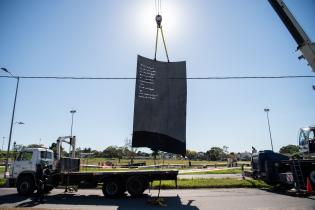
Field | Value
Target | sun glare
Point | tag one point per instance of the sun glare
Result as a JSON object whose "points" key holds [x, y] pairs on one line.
{"points": [[144, 14]]}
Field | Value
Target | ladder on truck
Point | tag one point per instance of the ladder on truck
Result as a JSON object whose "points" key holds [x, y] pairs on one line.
{"points": [[298, 176]]}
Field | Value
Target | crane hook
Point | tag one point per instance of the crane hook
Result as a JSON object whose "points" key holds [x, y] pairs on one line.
{"points": [[158, 20]]}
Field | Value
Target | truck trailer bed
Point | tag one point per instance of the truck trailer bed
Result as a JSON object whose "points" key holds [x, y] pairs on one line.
{"points": [[90, 179]]}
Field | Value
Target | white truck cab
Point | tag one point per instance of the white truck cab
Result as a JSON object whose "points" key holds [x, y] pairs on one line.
{"points": [[307, 141], [28, 158], [23, 169]]}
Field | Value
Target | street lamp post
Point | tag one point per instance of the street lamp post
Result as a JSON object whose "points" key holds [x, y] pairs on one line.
{"points": [[72, 113], [267, 111], [12, 119], [3, 137]]}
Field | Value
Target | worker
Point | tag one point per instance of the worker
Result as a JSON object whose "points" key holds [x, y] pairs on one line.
{"points": [[41, 177]]}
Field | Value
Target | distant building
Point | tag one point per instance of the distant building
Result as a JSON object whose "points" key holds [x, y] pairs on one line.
{"points": [[86, 154], [168, 156], [201, 155], [244, 156]]}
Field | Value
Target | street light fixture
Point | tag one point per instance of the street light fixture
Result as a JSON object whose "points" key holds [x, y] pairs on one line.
{"points": [[12, 119], [6, 70], [267, 111], [72, 113]]}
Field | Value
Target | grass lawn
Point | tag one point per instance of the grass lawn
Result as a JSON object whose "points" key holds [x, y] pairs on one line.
{"points": [[2, 182], [223, 171], [1, 169], [211, 183], [119, 169], [116, 161], [219, 171], [83, 169]]}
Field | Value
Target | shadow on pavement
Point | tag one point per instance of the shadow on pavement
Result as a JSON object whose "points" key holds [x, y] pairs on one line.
{"points": [[123, 203], [286, 192], [12, 198]]}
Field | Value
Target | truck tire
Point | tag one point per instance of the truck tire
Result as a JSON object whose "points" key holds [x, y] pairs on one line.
{"points": [[25, 185], [113, 188], [136, 185]]}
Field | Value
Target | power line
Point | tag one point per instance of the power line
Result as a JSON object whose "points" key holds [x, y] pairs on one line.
{"points": [[253, 77], [188, 78]]}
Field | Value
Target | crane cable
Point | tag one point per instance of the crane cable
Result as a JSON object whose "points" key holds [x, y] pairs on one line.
{"points": [[158, 19], [158, 8]]}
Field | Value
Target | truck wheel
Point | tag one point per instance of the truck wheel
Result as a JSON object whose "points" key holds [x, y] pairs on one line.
{"points": [[113, 188], [136, 185], [25, 185]]}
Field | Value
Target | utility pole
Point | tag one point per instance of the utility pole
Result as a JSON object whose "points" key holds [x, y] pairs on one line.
{"points": [[267, 111], [2, 143], [12, 119], [72, 113]]}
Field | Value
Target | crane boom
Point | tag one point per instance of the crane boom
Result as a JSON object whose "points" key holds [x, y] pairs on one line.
{"points": [[305, 45]]}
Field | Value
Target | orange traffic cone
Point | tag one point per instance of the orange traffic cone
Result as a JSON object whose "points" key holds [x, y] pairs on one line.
{"points": [[308, 185]]}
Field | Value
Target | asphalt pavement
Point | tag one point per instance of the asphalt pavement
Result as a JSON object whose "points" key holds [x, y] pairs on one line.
{"points": [[235, 199]]}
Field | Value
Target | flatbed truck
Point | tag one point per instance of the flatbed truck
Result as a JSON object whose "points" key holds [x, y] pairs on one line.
{"points": [[65, 172], [278, 169]]}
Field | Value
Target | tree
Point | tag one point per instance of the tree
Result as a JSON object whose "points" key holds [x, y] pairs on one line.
{"points": [[132, 151], [289, 149], [142, 154], [53, 147], [191, 154], [96, 153], [120, 153], [35, 145], [232, 155], [86, 150], [110, 152], [215, 153]]}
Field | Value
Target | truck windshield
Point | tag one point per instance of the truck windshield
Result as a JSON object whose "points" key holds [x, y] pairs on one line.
{"points": [[45, 155], [311, 135], [25, 155], [302, 140]]}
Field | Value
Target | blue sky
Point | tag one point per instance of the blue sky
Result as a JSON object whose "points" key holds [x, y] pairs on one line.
{"points": [[103, 38]]}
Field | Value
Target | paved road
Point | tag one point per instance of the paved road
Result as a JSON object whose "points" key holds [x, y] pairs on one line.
{"points": [[236, 199]]}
